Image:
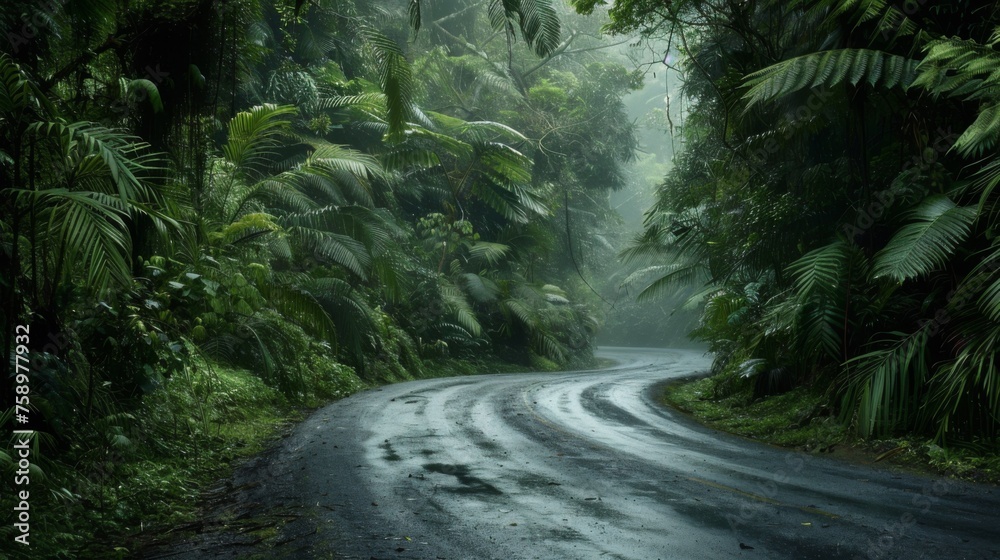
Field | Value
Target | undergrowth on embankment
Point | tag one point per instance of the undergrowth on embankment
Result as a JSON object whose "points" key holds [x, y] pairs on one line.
{"points": [[113, 495], [802, 420]]}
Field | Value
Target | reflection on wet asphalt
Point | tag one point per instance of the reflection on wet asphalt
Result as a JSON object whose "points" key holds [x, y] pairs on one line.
{"points": [[588, 464]]}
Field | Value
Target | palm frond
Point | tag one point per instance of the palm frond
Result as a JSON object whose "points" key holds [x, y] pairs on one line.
{"points": [[540, 25], [455, 301], [88, 230], [537, 20], [967, 389], [480, 288], [488, 252], [938, 227], [340, 249], [254, 135], [300, 307], [394, 78], [884, 384], [20, 95], [821, 270], [122, 154], [413, 8]]}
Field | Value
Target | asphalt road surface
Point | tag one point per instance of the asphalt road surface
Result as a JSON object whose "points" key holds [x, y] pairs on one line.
{"points": [[586, 465]]}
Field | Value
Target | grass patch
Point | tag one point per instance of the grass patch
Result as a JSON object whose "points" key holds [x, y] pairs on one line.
{"points": [[797, 418]]}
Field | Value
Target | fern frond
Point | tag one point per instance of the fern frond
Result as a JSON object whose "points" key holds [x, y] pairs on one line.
{"points": [[827, 69]]}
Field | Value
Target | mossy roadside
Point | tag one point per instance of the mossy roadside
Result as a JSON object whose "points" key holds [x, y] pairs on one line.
{"points": [[801, 419], [246, 436], [162, 469]]}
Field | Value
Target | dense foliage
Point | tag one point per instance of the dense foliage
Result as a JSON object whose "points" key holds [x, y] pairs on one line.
{"points": [[323, 193], [836, 199]]}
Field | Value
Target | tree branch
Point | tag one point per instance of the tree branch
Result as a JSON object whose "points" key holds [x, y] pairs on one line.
{"points": [[111, 42], [555, 52]]}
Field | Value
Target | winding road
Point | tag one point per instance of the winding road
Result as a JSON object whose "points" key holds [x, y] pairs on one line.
{"points": [[588, 465]]}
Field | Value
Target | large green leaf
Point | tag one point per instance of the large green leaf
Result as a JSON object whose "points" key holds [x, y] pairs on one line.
{"points": [[255, 134], [884, 383], [827, 69], [821, 270], [918, 248], [394, 78]]}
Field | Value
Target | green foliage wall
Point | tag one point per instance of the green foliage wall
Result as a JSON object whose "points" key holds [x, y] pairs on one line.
{"points": [[835, 199]]}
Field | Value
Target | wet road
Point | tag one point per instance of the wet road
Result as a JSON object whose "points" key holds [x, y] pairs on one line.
{"points": [[588, 465]]}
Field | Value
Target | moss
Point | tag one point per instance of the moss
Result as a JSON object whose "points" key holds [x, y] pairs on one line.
{"points": [[797, 418]]}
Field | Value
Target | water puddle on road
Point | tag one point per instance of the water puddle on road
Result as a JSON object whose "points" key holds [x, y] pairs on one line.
{"points": [[390, 453], [470, 484]]}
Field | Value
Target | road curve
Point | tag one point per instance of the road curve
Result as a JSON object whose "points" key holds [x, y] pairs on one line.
{"points": [[588, 464]]}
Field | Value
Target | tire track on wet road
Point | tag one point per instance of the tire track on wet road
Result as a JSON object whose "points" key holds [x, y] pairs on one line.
{"points": [[589, 464]]}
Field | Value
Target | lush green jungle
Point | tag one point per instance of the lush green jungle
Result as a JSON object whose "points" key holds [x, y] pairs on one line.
{"points": [[216, 214]]}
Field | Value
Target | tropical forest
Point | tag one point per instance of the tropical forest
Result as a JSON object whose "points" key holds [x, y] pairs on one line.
{"points": [[511, 279]]}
